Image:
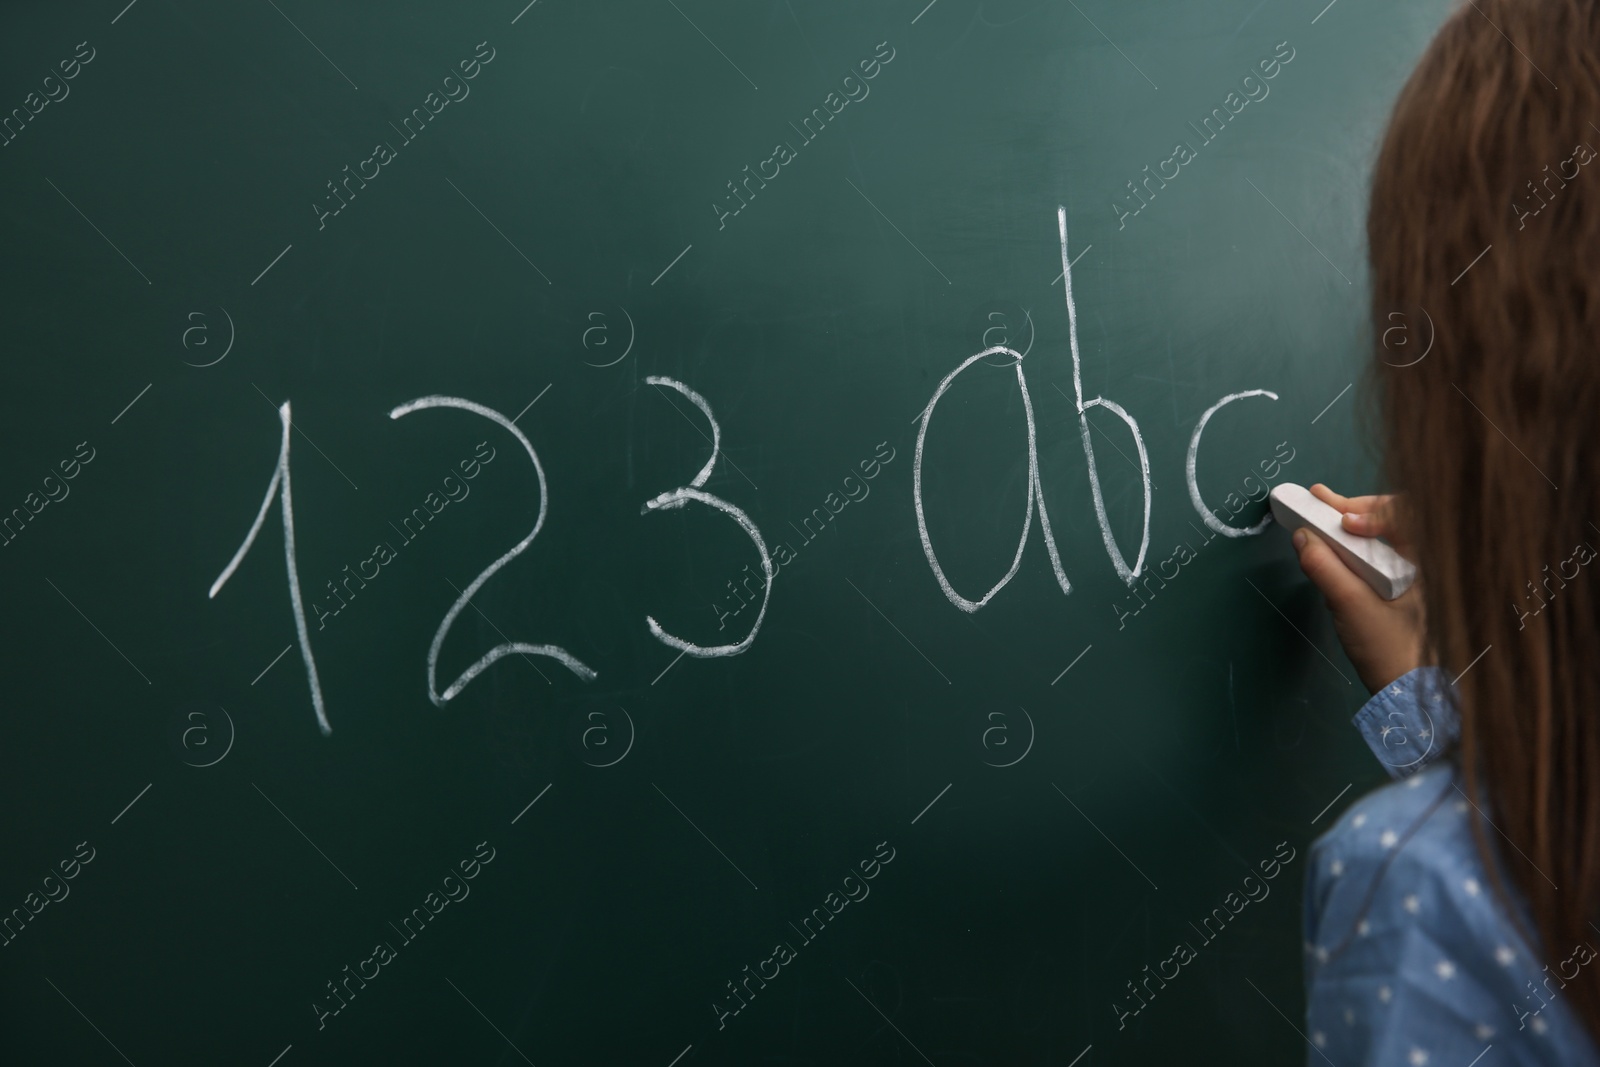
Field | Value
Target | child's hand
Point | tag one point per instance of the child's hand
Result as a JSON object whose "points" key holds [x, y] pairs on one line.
{"points": [[1383, 638]]}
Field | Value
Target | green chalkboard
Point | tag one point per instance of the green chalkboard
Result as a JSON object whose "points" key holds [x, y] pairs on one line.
{"points": [[596, 533]]}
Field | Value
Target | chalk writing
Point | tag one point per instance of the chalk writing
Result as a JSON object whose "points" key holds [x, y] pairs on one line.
{"points": [[1206, 515], [280, 486], [1123, 570], [1036, 489], [509, 648], [1184, 552], [677, 498]]}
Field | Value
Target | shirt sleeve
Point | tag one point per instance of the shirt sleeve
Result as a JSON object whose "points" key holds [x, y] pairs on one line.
{"points": [[1410, 722]]}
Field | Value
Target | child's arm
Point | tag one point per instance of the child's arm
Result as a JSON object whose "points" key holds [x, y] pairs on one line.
{"points": [[1383, 638]]}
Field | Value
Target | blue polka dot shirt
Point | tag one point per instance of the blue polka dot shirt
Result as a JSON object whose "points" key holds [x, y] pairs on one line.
{"points": [[1410, 958]]}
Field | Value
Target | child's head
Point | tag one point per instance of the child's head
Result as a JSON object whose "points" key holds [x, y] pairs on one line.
{"points": [[1484, 234]]}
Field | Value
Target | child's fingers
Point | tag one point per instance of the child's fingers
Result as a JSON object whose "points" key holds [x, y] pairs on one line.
{"points": [[1342, 587], [1328, 496], [1379, 523], [1369, 523], [1367, 516], [1367, 504], [1349, 503]]}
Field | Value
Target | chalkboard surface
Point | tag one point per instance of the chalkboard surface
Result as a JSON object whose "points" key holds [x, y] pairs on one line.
{"points": [[674, 532]]}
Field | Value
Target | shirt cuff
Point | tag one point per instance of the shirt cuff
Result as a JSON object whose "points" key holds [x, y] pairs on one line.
{"points": [[1410, 722]]}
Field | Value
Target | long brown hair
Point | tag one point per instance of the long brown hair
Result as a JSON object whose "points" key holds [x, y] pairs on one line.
{"points": [[1484, 234]]}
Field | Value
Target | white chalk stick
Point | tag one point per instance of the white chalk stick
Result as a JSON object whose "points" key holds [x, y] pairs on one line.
{"points": [[1388, 572]]}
